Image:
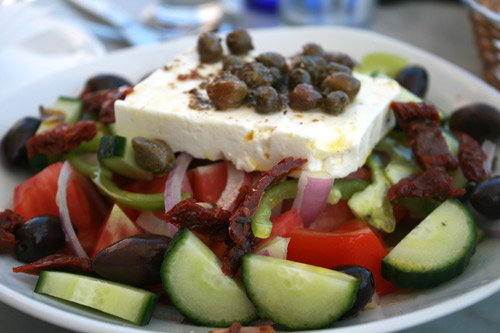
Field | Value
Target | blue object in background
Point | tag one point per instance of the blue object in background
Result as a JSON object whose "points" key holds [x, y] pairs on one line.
{"points": [[264, 5]]}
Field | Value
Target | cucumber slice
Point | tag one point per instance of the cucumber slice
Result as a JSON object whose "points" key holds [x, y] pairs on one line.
{"points": [[116, 153], [295, 295], [193, 279], [65, 110], [438, 249], [129, 303]]}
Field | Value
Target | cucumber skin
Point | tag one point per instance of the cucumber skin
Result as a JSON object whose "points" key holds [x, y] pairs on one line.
{"points": [[406, 278], [177, 240]]}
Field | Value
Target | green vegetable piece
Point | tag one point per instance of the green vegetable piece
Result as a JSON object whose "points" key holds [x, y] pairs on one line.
{"points": [[132, 304], [435, 251], [388, 63], [81, 164], [65, 110], [261, 223], [372, 204], [402, 164], [102, 177], [344, 188]]}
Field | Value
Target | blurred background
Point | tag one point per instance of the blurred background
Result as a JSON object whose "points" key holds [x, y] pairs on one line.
{"points": [[41, 37]]}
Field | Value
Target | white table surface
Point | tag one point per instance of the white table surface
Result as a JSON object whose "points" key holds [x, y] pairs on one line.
{"points": [[442, 28]]}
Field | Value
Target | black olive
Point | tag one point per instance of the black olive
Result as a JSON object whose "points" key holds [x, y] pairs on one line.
{"points": [[239, 42], [209, 47], [486, 198], [313, 49], [39, 237], [134, 260], [480, 121], [14, 142], [153, 155], [106, 81], [304, 97], [366, 286], [255, 74], [415, 79], [341, 81], [232, 64], [266, 100], [298, 76], [227, 91], [340, 58], [336, 102], [273, 59]]}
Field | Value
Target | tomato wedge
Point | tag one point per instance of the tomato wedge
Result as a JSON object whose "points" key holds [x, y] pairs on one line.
{"points": [[354, 243], [37, 196], [208, 181]]}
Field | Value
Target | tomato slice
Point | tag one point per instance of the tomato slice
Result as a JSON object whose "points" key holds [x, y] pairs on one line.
{"points": [[285, 223], [37, 196], [208, 181], [332, 217], [354, 243], [116, 227]]}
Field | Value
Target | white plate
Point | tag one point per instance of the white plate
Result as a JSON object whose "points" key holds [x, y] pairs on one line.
{"points": [[449, 88]]}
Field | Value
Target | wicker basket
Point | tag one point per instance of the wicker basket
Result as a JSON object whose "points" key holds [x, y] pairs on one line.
{"points": [[486, 26]]}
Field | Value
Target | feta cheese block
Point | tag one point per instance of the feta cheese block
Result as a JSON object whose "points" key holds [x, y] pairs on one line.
{"points": [[172, 104]]}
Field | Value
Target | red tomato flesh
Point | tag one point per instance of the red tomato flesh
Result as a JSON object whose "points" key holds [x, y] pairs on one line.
{"points": [[285, 223], [37, 196], [354, 243], [208, 181]]}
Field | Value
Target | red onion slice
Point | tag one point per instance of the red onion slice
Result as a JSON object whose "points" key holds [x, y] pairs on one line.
{"points": [[235, 179], [490, 150], [175, 178], [312, 193], [151, 223], [67, 173]]}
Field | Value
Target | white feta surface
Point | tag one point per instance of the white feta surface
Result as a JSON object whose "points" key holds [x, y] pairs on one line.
{"points": [[333, 145]]}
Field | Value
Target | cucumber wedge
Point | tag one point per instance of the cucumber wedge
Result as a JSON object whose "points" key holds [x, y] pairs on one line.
{"points": [[438, 249], [295, 295], [129, 303], [193, 279]]}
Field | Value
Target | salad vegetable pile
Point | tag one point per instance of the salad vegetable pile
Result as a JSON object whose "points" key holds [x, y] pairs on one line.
{"points": [[118, 224]]}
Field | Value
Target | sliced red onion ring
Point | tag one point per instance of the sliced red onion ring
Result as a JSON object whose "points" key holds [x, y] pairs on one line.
{"points": [[312, 193], [490, 150], [235, 179], [67, 173], [151, 223], [175, 178]]}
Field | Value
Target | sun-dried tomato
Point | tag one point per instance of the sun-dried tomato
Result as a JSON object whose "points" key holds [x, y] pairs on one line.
{"points": [[231, 261], [57, 262], [9, 220], [204, 218], [7, 242], [471, 157], [107, 114], [421, 124], [61, 138], [432, 183], [240, 219]]}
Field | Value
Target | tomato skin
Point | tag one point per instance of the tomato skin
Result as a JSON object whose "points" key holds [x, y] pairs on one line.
{"points": [[37, 196], [354, 243], [208, 181], [332, 217], [285, 223]]}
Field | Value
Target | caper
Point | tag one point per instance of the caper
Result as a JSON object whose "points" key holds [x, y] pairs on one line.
{"points": [[255, 74], [341, 81], [340, 58], [209, 47], [481, 121], [227, 91], [334, 67], [232, 64], [298, 76], [315, 65], [239, 42], [415, 79], [313, 49], [266, 100], [153, 155], [304, 97], [273, 59], [14, 142], [336, 102]]}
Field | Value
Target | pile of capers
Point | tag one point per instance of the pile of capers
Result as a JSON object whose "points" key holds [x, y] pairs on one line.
{"points": [[315, 79]]}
